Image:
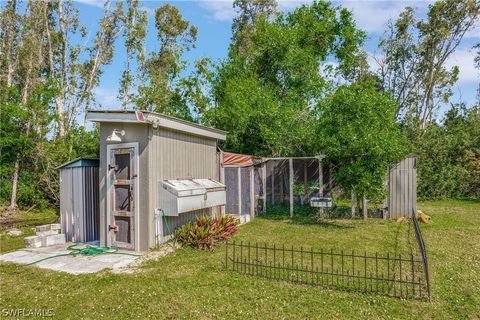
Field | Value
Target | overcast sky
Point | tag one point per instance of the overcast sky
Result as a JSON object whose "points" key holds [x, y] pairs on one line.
{"points": [[213, 19]]}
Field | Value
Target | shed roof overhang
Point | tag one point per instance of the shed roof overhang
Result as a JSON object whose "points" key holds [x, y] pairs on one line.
{"points": [[155, 119], [80, 162]]}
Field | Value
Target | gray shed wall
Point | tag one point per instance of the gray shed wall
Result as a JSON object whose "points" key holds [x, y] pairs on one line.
{"points": [[178, 155], [163, 154], [79, 203], [402, 187]]}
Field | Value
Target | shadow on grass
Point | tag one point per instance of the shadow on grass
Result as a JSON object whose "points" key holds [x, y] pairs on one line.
{"points": [[305, 220]]}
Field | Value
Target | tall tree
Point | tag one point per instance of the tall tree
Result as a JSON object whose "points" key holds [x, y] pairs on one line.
{"points": [[243, 26], [358, 132], [160, 91], [477, 66], [41, 68], [24, 62], [10, 24], [264, 95], [135, 30], [413, 67], [449, 155], [77, 68]]}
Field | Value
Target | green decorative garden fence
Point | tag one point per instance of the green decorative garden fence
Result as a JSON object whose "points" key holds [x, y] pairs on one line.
{"points": [[392, 275]]}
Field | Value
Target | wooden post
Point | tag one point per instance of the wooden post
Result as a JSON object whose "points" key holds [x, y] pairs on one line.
{"points": [[273, 181], [252, 192], [320, 177], [239, 173], [365, 210], [282, 193], [290, 179], [222, 180], [320, 184], [305, 178], [330, 179], [264, 185], [353, 204]]}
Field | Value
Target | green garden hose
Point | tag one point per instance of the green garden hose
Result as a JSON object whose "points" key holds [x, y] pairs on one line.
{"points": [[86, 250]]}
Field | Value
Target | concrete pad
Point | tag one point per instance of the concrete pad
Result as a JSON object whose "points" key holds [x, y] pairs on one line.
{"points": [[71, 264]]}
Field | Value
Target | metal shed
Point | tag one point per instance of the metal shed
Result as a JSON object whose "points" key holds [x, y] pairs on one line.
{"points": [[402, 188], [79, 200], [140, 154]]}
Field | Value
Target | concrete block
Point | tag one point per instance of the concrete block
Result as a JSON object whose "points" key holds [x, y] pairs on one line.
{"points": [[55, 226], [33, 242], [14, 232], [46, 233], [53, 239], [45, 227]]}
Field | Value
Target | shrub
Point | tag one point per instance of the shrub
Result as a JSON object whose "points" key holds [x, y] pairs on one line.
{"points": [[206, 231]]}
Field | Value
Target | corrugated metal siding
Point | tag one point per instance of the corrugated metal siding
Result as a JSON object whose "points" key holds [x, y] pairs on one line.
{"points": [[79, 203], [174, 222], [402, 187], [178, 155]]}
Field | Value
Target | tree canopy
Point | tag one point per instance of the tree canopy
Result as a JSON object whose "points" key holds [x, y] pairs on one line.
{"points": [[294, 83], [359, 134], [264, 94]]}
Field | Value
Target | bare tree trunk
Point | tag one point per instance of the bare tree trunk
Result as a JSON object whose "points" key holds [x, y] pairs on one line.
{"points": [[365, 209], [9, 42], [59, 112], [87, 91], [60, 100], [13, 197]]}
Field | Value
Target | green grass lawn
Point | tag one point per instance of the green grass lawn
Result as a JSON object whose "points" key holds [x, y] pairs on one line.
{"points": [[189, 284]]}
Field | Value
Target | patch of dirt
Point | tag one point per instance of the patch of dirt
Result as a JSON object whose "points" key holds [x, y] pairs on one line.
{"points": [[154, 254], [6, 222]]}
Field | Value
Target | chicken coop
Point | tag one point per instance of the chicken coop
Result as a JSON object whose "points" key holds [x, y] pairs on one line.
{"points": [[253, 183]]}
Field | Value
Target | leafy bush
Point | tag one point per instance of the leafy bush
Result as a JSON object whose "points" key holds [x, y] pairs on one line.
{"points": [[206, 231]]}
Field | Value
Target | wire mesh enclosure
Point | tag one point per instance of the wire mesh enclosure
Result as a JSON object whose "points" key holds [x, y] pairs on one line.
{"points": [[254, 182], [293, 180]]}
